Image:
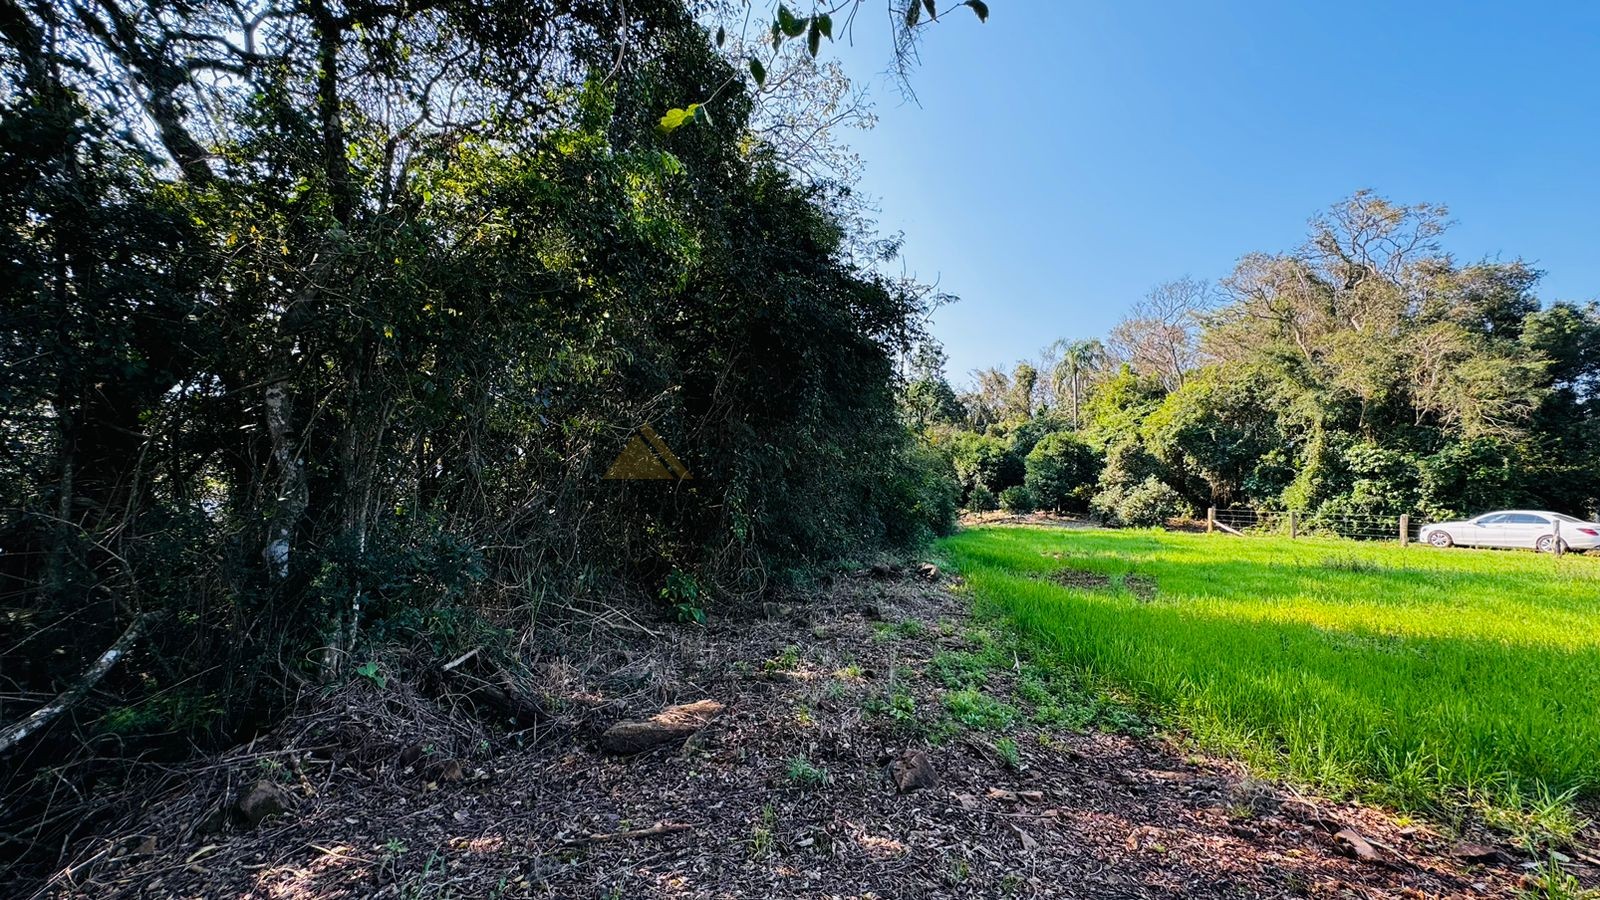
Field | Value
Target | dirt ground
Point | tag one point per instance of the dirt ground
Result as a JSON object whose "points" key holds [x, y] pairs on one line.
{"points": [[788, 792]]}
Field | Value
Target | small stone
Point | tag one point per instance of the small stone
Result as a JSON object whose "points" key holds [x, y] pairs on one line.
{"points": [[672, 725], [1352, 843], [912, 770], [261, 800], [928, 571], [447, 772], [1478, 853]]}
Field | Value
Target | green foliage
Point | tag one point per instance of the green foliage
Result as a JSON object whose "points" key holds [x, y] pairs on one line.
{"points": [[1010, 756], [922, 497], [803, 773], [313, 365], [981, 460], [975, 709], [682, 593], [899, 707], [369, 670], [1017, 499], [1364, 374], [1061, 472], [981, 499]]}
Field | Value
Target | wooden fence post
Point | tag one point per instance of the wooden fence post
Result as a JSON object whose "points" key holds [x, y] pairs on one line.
{"points": [[1211, 519], [1558, 549], [1405, 529], [1294, 524]]}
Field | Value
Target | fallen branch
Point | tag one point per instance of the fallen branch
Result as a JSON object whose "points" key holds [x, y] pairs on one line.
{"points": [[452, 664], [12, 734], [1233, 531], [656, 830]]}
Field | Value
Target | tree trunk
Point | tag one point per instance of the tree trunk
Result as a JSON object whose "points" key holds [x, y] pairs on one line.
{"points": [[293, 492]]}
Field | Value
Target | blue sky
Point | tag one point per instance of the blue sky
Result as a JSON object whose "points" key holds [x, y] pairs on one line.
{"points": [[1068, 155]]}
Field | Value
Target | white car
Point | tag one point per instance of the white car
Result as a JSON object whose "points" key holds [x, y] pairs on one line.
{"points": [[1528, 528]]}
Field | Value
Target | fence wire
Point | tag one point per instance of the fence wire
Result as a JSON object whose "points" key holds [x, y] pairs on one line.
{"points": [[1353, 526]]}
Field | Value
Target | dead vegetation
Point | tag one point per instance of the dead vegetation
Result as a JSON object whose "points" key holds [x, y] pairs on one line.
{"points": [[877, 742]]}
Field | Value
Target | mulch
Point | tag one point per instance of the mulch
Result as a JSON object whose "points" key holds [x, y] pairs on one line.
{"points": [[391, 793]]}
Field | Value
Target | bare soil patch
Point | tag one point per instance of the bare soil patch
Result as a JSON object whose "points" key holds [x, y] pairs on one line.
{"points": [[807, 782], [1077, 578]]}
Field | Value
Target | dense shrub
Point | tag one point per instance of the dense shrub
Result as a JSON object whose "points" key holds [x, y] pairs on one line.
{"points": [[983, 460], [924, 497], [1017, 499], [1061, 472], [1149, 503], [981, 499]]}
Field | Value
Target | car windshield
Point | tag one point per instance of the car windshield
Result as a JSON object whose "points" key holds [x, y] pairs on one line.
{"points": [[1571, 519]]}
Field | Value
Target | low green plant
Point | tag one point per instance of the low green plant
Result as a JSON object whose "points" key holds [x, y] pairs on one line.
{"points": [[898, 706], [682, 593], [761, 840], [958, 872], [1552, 882], [787, 661], [1010, 756], [802, 772], [975, 709], [369, 670]]}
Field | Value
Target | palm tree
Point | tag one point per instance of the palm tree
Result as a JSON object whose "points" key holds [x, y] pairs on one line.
{"points": [[1078, 359]]}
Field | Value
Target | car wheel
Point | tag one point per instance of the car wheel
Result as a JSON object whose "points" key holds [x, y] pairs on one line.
{"points": [[1547, 544], [1440, 539]]}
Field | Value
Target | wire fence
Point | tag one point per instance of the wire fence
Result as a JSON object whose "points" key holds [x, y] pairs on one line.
{"points": [[1402, 528]]}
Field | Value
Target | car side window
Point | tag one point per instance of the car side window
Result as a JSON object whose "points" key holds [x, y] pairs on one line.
{"points": [[1528, 519], [1497, 519]]}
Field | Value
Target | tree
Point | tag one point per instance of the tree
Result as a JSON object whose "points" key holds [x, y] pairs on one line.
{"points": [[1019, 400], [1077, 361], [1159, 338]]}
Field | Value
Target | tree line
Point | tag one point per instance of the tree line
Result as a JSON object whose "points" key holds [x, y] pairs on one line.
{"points": [[1366, 372]]}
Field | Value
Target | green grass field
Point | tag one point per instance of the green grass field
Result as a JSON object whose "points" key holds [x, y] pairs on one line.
{"points": [[1418, 677]]}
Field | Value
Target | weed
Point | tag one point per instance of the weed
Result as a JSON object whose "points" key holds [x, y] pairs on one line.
{"points": [[1350, 563], [975, 709], [787, 661], [1551, 882], [272, 769], [369, 671], [958, 872], [682, 593], [1010, 756], [905, 628], [761, 833], [899, 707], [802, 772]]}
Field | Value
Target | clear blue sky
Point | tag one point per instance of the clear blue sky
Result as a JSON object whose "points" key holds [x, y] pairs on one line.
{"points": [[1068, 155]]}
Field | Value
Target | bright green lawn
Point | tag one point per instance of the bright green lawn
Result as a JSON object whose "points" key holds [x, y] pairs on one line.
{"points": [[1417, 676]]}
